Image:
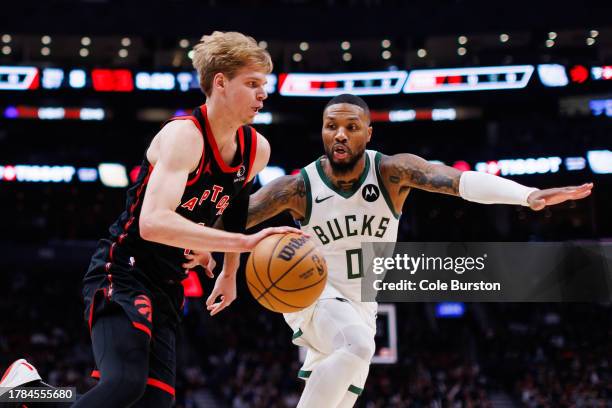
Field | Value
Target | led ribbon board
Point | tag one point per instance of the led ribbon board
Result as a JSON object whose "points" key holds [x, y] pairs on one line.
{"points": [[601, 107], [53, 113], [19, 78], [468, 79], [104, 80], [356, 83], [552, 75], [410, 115], [602, 73]]}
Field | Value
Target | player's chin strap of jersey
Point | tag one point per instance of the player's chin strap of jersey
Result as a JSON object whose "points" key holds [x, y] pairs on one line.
{"points": [[235, 217], [489, 189]]}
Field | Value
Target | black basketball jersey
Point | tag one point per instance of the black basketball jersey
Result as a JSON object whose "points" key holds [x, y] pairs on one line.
{"points": [[208, 193]]}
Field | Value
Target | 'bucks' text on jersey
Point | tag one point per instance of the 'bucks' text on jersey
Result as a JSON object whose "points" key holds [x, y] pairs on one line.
{"points": [[341, 220]]}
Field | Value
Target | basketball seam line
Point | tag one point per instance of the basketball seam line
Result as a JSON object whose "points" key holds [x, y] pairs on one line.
{"points": [[285, 303], [272, 256], [300, 288], [260, 281], [287, 271], [251, 285]]}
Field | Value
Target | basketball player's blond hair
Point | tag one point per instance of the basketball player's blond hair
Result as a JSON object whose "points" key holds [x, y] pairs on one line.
{"points": [[227, 53]]}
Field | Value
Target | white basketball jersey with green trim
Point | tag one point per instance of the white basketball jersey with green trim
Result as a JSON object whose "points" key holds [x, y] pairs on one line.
{"points": [[339, 221]]}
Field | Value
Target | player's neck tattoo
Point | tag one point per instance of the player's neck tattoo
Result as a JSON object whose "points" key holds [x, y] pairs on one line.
{"points": [[340, 179]]}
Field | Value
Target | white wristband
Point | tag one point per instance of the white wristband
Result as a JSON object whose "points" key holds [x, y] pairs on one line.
{"points": [[489, 189]]}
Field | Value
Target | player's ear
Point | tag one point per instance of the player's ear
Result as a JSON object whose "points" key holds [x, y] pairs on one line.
{"points": [[219, 81], [369, 133]]}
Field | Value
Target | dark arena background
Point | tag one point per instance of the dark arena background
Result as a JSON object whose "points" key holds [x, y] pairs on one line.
{"points": [[519, 89]]}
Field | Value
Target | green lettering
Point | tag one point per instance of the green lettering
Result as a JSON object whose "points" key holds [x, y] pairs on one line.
{"points": [[322, 237], [367, 223], [349, 232], [382, 227], [331, 230]]}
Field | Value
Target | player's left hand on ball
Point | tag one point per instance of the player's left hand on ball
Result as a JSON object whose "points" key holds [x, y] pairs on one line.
{"points": [[204, 259], [280, 230], [551, 196], [225, 288], [253, 240]]}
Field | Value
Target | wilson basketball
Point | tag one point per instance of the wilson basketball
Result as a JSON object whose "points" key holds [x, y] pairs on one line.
{"points": [[286, 273]]}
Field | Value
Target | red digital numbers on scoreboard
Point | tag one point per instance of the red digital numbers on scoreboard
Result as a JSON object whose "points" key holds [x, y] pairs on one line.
{"points": [[112, 80], [579, 74]]}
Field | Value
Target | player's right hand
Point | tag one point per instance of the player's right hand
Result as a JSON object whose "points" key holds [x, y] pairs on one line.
{"points": [[254, 239]]}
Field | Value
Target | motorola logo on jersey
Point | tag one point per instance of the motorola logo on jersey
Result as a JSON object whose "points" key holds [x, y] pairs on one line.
{"points": [[370, 193]]}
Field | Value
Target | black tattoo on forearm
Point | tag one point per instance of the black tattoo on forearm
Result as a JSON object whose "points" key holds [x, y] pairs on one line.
{"points": [[427, 180], [284, 194]]}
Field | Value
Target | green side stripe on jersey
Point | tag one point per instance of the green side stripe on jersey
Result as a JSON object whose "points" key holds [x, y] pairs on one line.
{"points": [[306, 219], [356, 187], [297, 334], [355, 390], [381, 184], [304, 373]]}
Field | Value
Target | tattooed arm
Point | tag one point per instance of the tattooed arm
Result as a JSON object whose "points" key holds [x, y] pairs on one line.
{"points": [[407, 170], [282, 194], [403, 171]]}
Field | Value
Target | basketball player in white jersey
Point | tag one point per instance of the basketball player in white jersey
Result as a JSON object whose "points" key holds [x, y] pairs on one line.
{"points": [[353, 195]]}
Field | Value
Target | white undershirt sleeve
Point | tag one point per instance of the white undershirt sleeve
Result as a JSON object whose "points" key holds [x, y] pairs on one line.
{"points": [[489, 189]]}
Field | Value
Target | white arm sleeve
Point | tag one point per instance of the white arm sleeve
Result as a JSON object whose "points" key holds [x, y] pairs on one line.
{"points": [[489, 189]]}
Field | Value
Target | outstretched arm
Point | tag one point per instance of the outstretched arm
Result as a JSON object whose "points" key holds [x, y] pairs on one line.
{"points": [[408, 170], [287, 193]]}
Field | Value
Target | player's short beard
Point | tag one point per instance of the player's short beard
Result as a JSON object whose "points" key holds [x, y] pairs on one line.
{"points": [[345, 167]]}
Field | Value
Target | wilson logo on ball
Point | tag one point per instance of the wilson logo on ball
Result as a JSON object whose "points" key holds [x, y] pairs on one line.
{"points": [[288, 251]]}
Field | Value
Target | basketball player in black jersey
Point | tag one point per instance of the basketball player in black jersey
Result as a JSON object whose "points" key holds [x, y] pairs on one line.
{"points": [[197, 169]]}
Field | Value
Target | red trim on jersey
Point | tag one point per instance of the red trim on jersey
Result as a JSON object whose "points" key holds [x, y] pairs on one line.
{"points": [[92, 306], [241, 138], [199, 170], [161, 385], [150, 381], [112, 249], [213, 144], [142, 327], [252, 155], [241, 135], [137, 199]]}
